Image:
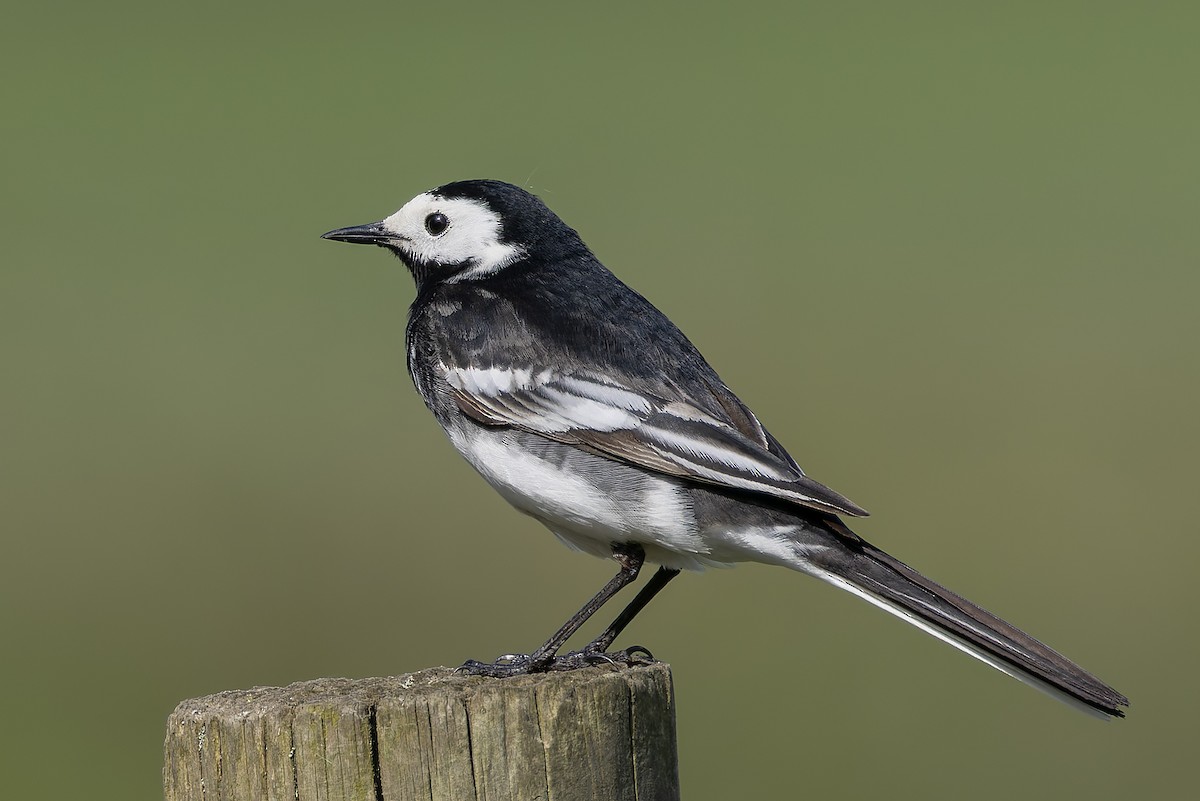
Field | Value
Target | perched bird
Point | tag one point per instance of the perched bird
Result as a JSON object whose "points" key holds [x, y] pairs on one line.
{"points": [[587, 409]]}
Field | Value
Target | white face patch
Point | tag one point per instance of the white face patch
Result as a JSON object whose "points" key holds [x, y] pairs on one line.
{"points": [[471, 235]]}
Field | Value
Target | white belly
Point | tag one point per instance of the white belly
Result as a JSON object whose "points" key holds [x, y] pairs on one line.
{"points": [[588, 501]]}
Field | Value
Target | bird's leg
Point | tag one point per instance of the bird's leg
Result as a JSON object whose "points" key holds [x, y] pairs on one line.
{"points": [[600, 645], [630, 556]]}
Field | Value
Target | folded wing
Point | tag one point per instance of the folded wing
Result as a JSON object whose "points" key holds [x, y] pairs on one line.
{"points": [[670, 436]]}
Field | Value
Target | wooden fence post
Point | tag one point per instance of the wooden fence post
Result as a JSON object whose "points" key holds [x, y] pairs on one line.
{"points": [[596, 733]]}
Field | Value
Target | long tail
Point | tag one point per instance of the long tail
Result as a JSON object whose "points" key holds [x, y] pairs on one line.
{"points": [[873, 575]]}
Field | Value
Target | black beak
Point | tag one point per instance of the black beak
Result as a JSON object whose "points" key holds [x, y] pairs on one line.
{"points": [[369, 234]]}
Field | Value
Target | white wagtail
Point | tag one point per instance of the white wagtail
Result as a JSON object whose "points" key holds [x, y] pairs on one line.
{"points": [[587, 409]]}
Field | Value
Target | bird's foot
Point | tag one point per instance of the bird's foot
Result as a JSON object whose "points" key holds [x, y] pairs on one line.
{"points": [[522, 664], [506, 665], [633, 655]]}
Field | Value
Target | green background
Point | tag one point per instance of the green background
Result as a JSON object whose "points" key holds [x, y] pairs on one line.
{"points": [[948, 252]]}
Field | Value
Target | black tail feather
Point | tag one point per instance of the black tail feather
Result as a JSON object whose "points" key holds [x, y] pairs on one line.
{"points": [[889, 583]]}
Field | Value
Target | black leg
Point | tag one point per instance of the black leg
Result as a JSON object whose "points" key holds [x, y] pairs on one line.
{"points": [[630, 556], [656, 583]]}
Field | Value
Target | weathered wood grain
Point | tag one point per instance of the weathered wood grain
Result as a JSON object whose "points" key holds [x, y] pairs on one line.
{"points": [[599, 733]]}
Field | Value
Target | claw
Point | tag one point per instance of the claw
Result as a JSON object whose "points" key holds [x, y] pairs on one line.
{"points": [[522, 664], [634, 650]]}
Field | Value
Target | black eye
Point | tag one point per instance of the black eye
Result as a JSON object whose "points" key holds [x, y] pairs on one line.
{"points": [[436, 223]]}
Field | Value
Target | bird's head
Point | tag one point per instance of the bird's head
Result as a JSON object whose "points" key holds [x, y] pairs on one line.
{"points": [[468, 230]]}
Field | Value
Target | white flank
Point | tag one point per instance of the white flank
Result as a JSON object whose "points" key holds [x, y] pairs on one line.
{"points": [[651, 510]]}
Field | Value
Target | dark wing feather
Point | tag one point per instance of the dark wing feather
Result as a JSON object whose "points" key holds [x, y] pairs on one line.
{"points": [[674, 437]]}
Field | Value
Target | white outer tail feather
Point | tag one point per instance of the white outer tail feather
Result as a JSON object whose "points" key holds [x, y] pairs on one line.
{"points": [[957, 642]]}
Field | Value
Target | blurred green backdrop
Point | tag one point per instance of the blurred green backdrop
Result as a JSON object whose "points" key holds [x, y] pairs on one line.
{"points": [[965, 236]]}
